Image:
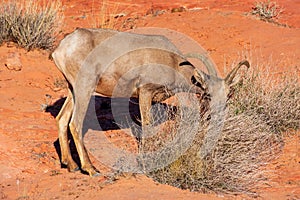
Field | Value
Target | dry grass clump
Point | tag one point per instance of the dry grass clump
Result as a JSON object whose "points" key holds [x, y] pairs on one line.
{"points": [[267, 10], [171, 133], [262, 108], [111, 15], [4, 30], [273, 98], [234, 166], [107, 17], [30, 24]]}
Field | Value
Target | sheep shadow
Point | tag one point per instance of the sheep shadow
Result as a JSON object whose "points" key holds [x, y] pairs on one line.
{"points": [[101, 107], [105, 113]]}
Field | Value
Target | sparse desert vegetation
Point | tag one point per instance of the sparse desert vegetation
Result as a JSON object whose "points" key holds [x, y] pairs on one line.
{"points": [[267, 10], [262, 110], [30, 24], [262, 116]]}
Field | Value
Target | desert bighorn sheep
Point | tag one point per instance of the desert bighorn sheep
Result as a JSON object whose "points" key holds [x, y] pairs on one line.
{"points": [[93, 60]]}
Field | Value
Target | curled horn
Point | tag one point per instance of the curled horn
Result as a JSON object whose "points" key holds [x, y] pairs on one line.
{"points": [[209, 66], [229, 78]]}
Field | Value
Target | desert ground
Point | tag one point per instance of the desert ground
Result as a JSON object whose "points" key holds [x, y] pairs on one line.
{"points": [[29, 163]]}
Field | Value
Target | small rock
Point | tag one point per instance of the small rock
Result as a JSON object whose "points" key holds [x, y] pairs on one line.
{"points": [[44, 147], [10, 44], [36, 150], [180, 9], [28, 171], [44, 107], [119, 15], [13, 61]]}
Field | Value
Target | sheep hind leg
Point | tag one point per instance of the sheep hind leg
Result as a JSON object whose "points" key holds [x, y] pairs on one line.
{"points": [[86, 164], [83, 93], [63, 119]]}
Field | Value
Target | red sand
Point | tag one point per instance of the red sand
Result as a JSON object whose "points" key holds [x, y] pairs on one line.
{"points": [[29, 164]]}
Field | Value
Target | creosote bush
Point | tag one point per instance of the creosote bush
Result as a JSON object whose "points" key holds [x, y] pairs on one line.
{"points": [[30, 24], [267, 10], [274, 98], [258, 114]]}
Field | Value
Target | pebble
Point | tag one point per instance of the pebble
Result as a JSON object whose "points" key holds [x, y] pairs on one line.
{"points": [[13, 61]]}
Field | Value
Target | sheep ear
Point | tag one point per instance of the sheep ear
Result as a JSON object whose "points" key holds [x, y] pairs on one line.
{"points": [[201, 78]]}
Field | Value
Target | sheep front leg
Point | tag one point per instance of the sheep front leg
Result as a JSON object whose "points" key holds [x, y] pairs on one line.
{"points": [[145, 101]]}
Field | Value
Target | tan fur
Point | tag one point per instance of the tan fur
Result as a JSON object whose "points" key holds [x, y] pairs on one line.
{"points": [[128, 75]]}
